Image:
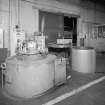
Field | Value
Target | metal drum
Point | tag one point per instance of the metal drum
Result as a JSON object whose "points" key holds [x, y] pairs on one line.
{"points": [[83, 59], [29, 76]]}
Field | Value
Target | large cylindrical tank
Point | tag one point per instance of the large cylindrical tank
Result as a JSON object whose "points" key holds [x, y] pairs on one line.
{"points": [[29, 76], [83, 59]]}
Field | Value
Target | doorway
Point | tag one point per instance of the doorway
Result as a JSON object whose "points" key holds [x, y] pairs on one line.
{"points": [[58, 25], [70, 29]]}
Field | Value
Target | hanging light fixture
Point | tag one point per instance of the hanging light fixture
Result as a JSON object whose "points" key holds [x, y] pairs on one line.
{"points": [[18, 12]]}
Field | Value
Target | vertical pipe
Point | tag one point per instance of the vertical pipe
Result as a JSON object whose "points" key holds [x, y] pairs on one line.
{"points": [[9, 28], [94, 11]]}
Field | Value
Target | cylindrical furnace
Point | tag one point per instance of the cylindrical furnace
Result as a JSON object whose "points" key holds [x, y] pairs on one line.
{"points": [[83, 59], [29, 75]]}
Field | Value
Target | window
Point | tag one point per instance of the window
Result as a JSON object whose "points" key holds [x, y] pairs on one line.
{"points": [[101, 31]]}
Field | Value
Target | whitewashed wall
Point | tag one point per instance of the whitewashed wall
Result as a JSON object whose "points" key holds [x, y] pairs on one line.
{"points": [[4, 20], [29, 18]]}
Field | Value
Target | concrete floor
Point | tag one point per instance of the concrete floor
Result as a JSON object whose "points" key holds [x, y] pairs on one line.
{"points": [[94, 95]]}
